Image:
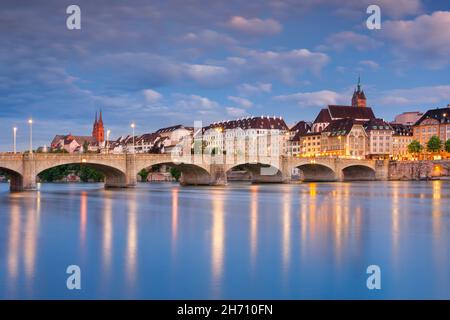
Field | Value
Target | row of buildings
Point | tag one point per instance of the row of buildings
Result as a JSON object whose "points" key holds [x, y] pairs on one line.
{"points": [[337, 131]]}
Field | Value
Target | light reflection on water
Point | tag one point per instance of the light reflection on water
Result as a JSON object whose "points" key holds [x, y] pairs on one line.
{"points": [[162, 241]]}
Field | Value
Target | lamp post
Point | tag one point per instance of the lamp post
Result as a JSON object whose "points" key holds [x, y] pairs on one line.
{"points": [[30, 122], [133, 125], [14, 139]]}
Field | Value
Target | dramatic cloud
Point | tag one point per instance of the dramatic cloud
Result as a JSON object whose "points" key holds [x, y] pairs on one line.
{"points": [[427, 36], [314, 99], [243, 102], [254, 26], [152, 96], [348, 39]]}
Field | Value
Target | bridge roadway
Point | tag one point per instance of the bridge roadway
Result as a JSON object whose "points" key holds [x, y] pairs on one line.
{"points": [[121, 170]]}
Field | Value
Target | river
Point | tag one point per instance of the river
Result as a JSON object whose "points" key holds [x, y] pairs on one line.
{"points": [[242, 241]]}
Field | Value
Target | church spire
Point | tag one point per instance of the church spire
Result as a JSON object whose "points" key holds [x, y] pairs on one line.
{"points": [[101, 118], [359, 98]]}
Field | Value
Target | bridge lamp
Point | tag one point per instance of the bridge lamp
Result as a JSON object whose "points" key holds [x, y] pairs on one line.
{"points": [[133, 126], [14, 138], [30, 122]]}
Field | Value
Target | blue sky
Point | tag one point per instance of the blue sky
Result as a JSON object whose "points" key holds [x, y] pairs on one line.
{"points": [[167, 62]]}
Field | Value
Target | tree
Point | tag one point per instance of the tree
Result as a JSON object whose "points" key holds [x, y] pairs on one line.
{"points": [[175, 173], [447, 145], [415, 147], [144, 174], [434, 144], [85, 147]]}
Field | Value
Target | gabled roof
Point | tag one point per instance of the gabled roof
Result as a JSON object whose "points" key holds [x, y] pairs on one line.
{"points": [[358, 113], [341, 127], [442, 115], [301, 126], [323, 117], [251, 123], [377, 124], [401, 129], [170, 129]]}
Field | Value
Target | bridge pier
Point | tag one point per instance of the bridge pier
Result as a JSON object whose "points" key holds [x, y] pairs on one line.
{"points": [[29, 173]]}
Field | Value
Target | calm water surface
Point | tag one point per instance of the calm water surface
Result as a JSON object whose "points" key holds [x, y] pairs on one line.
{"points": [[242, 241]]}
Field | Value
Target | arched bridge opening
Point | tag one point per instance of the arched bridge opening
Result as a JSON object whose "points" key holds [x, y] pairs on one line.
{"points": [[255, 173], [85, 172], [15, 179], [358, 173], [185, 173], [316, 172]]}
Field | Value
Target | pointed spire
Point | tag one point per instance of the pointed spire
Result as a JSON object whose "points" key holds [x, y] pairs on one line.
{"points": [[95, 117], [359, 82], [100, 120]]}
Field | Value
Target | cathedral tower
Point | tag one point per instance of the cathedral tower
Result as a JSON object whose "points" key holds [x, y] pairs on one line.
{"points": [[98, 131], [359, 98]]}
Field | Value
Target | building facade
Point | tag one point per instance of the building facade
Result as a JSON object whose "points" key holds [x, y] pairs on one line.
{"points": [[435, 122]]}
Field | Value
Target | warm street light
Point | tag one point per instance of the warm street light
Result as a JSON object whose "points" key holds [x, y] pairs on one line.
{"points": [[14, 139], [133, 125], [30, 122]]}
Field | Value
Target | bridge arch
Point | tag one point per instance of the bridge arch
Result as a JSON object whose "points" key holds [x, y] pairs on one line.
{"points": [[259, 172], [316, 172], [191, 174], [15, 179], [358, 172], [114, 177]]}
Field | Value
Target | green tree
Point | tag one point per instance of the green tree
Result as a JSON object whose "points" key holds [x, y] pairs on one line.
{"points": [[415, 147], [85, 147], [447, 145], [175, 173], [143, 174], [434, 144]]}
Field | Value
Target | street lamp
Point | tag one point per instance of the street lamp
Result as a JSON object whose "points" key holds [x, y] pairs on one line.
{"points": [[30, 122], [108, 132], [133, 125], [14, 138]]}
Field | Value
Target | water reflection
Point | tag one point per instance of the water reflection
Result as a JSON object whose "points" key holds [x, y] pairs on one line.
{"points": [[174, 219], [258, 241], [14, 241], [132, 240], [218, 240], [253, 224]]}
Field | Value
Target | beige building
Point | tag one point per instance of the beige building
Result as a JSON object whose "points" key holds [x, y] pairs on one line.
{"points": [[345, 137], [402, 136], [435, 122], [379, 134]]}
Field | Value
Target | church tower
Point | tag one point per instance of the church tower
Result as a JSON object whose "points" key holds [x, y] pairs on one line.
{"points": [[359, 98], [98, 131]]}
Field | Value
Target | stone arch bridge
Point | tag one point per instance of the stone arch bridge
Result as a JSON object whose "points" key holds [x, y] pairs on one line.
{"points": [[121, 170]]}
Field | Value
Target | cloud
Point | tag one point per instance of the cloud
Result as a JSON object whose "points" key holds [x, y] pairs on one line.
{"points": [[314, 99], [259, 87], [152, 96], [205, 74], [236, 112], [194, 102], [254, 26], [368, 64], [243, 102], [349, 39], [427, 37], [285, 65], [430, 96], [207, 38]]}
